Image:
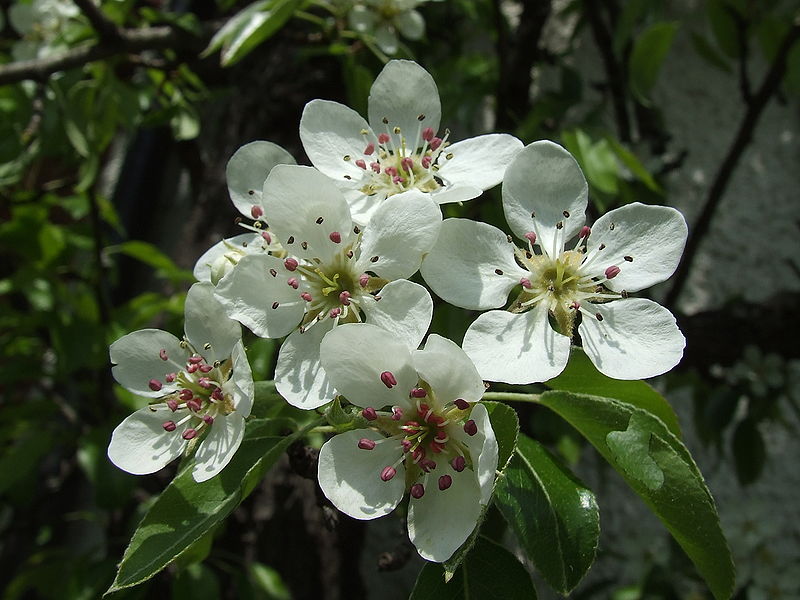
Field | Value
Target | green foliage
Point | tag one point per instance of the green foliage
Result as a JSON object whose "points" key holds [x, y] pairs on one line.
{"points": [[682, 501], [489, 571], [186, 510], [553, 515], [649, 51]]}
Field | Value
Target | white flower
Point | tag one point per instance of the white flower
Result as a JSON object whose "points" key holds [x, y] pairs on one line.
{"points": [[399, 149], [332, 274], [476, 266], [41, 23], [246, 172], [385, 18], [427, 436], [202, 389]]}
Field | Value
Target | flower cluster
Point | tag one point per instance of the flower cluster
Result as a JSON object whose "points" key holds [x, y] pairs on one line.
{"points": [[326, 264]]}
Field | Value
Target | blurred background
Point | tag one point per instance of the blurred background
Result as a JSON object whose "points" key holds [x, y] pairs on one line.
{"points": [[117, 119]]}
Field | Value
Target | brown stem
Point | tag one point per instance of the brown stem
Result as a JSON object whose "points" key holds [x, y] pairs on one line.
{"points": [[756, 106], [106, 29]]}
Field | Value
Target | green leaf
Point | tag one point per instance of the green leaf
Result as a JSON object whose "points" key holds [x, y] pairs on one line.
{"points": [[268, 581], [633, 164], [631, 449], [554, 516], [648, 53], [583, 377], [186, 510], [489, 571], [150, 255], [749, 451], [706, 51], [723, 25], [505, 425], [596, 159], [683, 502], [261, 25]]}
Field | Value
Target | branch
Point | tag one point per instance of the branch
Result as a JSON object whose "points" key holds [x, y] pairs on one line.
{"points": [[106, 29], [614, 70], [759, 101], [131, 41]]}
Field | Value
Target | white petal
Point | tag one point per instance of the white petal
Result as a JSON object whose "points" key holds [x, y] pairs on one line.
{"points": [[207, 323], [329, 132], [296, 199], [483, 449], [480, 161], [249, 292], [386, 38], [136, 359], [350, 477], [544, 179], [248, 169], [209, 268], [410, 24], [405, 309], [361, 18], [362, 207], [637, 338], [400, 232], [356, 354], [440, 521], [139, 445], [218, 447], [402, 91], [243, 390], [299, 376], [455, 193], [462, 266], [516, 348], [652, 236], [448, 370]]}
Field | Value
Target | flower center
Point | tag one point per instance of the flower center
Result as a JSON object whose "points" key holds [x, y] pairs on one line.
{"points": [[426, 437], [393, 163], [200, 396], [562, 283]]}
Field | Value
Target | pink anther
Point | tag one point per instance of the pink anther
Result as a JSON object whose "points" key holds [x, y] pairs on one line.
{"points": [[155, 385]]}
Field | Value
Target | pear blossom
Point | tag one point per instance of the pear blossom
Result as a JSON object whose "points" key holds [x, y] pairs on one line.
{"points": [[400, 148], [245, 172], [334, 272], [562, 284], [428, 436], [384, 19], [201, 389], [41, 24]]}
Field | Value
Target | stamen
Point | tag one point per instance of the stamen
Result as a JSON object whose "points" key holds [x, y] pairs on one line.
{"points": [[370, 414], [290, 264], [205, 368], [387, 473], [191, 369], [407, 164], [216, 394], [344, 298], [292, 281], [435, 143], [445, 481], [461, 403], [267, 237], [256, 211], [418, 392], [388, 379], [369, 149], [195, 359], [189, 434], [525, 282], [366, 444], [155, 385], [335, 237], [426, 162], [585, 231], [428, 133], [172, 404], [498, 271], [306, 296], [363, 280], [361, 163], [397, 413], [193, 405], [335, 312], [612, 272], [417, 491], [375, 167], [163, 354], [275, 305], [459, 463], [383, 138], [185, 395], [170, 377], [470, 427], [273, 272], [208, 419], [531, 237], [628, 258], [169, 426]]}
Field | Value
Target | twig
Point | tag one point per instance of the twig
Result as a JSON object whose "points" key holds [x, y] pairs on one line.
{"points": [[131, 41], [614, 70], [759, 101], [741, 35], [106, 29]]}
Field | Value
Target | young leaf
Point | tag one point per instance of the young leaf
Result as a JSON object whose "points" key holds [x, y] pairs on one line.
{"points": [[506, 429], [489, 571], [257, 29], [649, 51], [682, 502], [583, 377], [554, 516], [186, 510]]}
